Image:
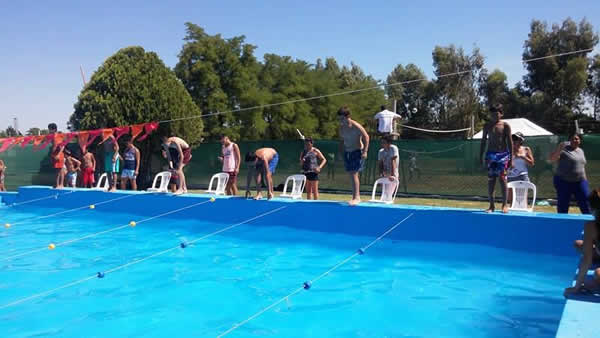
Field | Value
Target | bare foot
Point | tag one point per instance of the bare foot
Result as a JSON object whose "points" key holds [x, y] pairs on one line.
{"points": [[258, 197], [354, 202], [179, 192], [269, 195], [489, 210], [112, 189], [505, 209]]}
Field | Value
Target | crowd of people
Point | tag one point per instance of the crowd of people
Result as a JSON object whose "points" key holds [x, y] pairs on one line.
{"points": [[506, 159]]}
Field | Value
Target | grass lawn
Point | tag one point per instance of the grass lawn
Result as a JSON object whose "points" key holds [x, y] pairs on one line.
{"points": [[430, 202]]}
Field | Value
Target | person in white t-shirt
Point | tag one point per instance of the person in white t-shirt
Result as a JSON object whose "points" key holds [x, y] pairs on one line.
{"points": [[385, 120], [388, 162]]}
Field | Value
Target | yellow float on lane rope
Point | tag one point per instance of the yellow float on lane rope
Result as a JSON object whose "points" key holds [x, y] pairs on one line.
{"points": [[7, 225], [92, 206], [212, 199], [51, 246], [132, 223]]}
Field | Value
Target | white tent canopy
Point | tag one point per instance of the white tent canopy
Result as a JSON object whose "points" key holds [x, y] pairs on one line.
{"points": [[525, 126]]}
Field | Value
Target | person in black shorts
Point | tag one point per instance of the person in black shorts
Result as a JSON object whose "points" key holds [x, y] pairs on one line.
{"points": [[312, 161]]}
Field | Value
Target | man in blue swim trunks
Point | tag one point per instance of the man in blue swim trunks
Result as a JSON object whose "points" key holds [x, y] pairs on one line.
{"points": [[355, 145], [498, 158], [265, 162]]}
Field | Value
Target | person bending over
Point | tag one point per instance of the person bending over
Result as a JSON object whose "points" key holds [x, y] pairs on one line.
{"points": [[266, 162], [178, 148]]}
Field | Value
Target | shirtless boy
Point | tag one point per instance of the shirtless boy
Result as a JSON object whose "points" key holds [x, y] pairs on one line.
{"points": [[497, 138], [266, 162], [73, 166], [88, 168]]}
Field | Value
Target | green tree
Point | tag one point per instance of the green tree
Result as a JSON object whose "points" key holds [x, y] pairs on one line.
{"points": [[593, 88], [495, 88], [134, 86], [365, 103], [221, 75], [561, 80], [456, 96], [409, 88]]}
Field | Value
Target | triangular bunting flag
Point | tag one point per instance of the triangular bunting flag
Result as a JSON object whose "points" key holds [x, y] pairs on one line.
{"points": [[120, 131], [26, 141], [7, 143], [136, 129], [149, 128]]}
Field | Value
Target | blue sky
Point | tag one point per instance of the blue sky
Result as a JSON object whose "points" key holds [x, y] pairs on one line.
{"points": [[44, 43]]}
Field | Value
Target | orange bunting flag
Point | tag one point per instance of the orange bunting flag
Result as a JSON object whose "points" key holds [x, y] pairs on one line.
{"points": [[47, 140], [82, 138], [120, 131], [26, 141], [106, 133], [7, 144], [93, 134], [149, 128], [68, 138], [136, 129], [38, 139]]}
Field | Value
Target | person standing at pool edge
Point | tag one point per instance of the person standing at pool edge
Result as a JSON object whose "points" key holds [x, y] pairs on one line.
{"points": [[2, 170], [111, 161], [131, 165], [355, 145], [497, 137], [57, 157], [570, 178], [231, 163], [89, 167], [309, 160]]}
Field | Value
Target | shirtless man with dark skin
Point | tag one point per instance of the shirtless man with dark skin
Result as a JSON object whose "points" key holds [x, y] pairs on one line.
{"points": [[497, 138]]}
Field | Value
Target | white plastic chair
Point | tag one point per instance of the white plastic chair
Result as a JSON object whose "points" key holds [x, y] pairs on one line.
{"points": [[102, 183], [165, 178], [388, 190], [222, 179], [298, 184], [520, 190]]}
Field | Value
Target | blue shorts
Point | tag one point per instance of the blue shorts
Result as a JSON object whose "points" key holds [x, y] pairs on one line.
{"points": [[353, 161], [128, 173], [497, 163], [272, 164]]}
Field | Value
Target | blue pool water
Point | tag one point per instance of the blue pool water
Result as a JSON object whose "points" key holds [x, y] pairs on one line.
{"points": [[403, 286]]}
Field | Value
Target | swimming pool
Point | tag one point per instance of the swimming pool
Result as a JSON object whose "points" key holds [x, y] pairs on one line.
{"points": [[442, 272]]}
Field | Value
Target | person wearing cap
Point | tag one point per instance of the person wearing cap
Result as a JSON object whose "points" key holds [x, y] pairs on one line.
{"points": [[522, 159], [312, 162]]}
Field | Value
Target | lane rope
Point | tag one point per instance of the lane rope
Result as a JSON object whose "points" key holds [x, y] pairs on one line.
{"points": [[53, 246], [135, 261], [87, 206], [307, 285], [55, 196]]}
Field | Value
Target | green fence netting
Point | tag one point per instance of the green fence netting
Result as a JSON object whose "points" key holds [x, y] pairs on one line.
{"points": [[429, 167]]}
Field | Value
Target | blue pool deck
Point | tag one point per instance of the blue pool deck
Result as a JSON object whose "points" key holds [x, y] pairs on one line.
{"points": [[535, 232]]}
